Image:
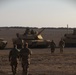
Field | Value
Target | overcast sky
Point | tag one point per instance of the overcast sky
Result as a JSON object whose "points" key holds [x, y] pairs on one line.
{"points": [[38, 13]]}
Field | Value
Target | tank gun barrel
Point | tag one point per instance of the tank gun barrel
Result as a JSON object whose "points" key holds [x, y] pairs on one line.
{"points": [[40, 31]]}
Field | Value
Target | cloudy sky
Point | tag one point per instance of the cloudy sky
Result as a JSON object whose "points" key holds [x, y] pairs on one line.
{"points": [[38, 13]]}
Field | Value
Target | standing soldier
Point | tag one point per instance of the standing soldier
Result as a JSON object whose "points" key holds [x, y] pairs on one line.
{"points": [[25, 58], [52, 45], [13, 55], [61, 45], [17, 41]]}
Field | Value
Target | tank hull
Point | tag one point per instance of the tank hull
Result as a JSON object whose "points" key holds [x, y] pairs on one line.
{"points": [[70, 39], [34, 40], [2, 44], [38, 43], [70, 44]]}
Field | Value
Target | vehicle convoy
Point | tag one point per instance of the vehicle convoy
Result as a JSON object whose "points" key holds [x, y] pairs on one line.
{"points": [[3, 43], [70, 39], [34, 39]]}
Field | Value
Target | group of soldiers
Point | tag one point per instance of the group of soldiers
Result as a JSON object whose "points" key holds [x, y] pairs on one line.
{"points": [[28, 31], [23, 56], [61, 46]]}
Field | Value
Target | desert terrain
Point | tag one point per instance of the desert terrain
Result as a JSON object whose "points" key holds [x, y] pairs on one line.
{"points": [[42, 61]]}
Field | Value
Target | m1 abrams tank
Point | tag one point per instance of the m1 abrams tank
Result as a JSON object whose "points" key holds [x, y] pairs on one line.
{"points": [[3, 43], [70, 39], [34, 40]]}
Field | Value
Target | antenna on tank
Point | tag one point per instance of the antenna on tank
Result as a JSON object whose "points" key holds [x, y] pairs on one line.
{"points": [[67, 28]]}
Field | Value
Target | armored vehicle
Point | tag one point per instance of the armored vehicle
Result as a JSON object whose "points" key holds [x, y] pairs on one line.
{"points": [[3, 43], [70, 39], [34, 39]]}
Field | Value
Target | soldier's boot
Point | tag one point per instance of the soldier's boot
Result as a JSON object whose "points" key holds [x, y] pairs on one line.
{"points": [[12, 68], [15, 69], [23, 73], [26, 71]]}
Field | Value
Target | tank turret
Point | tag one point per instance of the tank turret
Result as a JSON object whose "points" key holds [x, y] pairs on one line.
{"points": [[34, 39], [70, 39]]}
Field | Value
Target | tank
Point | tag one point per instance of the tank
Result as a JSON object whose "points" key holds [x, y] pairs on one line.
{"points": [[34, 39], [70, 39], [3, 43]]}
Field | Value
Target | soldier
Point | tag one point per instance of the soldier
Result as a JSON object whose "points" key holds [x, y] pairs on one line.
{"points": [[32, 31], [52, 45], [13, 55], [25, 58], [61, 45], [19, 41], [27, 31]]}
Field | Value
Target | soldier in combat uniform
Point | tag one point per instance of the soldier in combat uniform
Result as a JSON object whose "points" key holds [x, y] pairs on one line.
{"points": [[52, 46], [25, 58], [61, 45], [13, 56]]}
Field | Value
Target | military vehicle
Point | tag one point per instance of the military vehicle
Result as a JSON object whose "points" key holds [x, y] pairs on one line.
{"points": [[3, 43], [34, 39], [70, 39]]}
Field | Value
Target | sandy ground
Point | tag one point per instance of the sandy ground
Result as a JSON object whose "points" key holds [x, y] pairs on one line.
{"points": [[42, 61]]}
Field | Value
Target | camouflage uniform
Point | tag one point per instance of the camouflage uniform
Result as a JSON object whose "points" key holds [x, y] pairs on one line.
{"points": [[61, 45], [52, 45], [27, 31], [25, 59], [13, 55], [18, 41]]}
